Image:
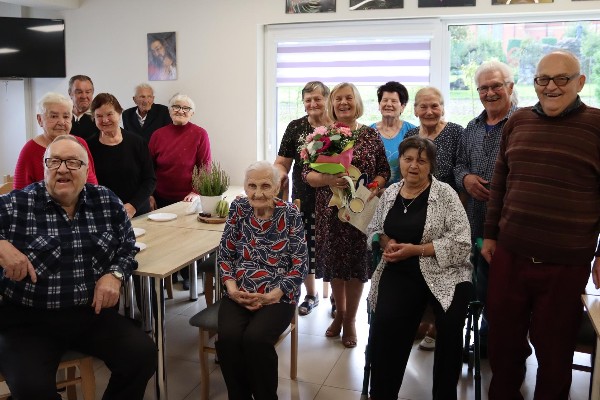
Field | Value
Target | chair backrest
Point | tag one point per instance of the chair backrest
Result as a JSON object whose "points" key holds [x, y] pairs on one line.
{"points": [[6, 187], [7, 178]]}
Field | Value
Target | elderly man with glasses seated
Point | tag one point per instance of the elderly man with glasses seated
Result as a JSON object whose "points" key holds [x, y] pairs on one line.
{"points": [[65, 248]]}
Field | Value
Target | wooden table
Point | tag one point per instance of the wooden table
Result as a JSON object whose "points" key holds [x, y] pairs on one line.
{"points": [[592, 305], [183, 220], [168, 250]]}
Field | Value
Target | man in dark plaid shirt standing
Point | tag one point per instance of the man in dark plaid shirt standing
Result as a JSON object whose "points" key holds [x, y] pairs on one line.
{"points": [[65, 248], [476, 157]]}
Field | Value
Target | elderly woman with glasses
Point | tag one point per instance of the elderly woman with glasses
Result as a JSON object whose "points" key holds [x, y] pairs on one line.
{"points": [[263, 261], [54, 116], [175, 150]]}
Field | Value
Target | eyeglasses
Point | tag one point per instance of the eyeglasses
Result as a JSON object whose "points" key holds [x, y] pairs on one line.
{"points": [[176, 107], [558, 80], [494, 88], [54, 163]]}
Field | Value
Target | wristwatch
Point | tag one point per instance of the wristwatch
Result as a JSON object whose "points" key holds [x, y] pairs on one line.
{"points": [[117, 274]]}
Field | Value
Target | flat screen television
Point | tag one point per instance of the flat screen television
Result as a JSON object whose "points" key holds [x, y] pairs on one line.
{"points": [[32, 48]]}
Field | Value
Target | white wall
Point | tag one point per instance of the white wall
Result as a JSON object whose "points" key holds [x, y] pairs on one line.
{"points": [[219, 46]]}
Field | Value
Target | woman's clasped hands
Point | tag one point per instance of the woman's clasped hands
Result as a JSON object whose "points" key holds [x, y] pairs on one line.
{"points": [[394, 252], [255, 301]]}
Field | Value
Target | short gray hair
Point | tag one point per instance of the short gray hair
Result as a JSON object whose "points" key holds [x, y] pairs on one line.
{"points": [[182, 97], [263, 166], [53, 98], [143, 86], [70, 138], [507, 75]]}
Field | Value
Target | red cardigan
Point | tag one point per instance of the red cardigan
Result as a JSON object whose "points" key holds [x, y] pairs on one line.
{"points": [[175, 150]]}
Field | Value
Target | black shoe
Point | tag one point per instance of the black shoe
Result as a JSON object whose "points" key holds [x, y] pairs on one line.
{"points": [[308, 304], [186, 284]]}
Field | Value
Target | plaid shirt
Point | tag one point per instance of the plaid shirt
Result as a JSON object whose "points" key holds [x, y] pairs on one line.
{"points": [[68, 256], [476, 154]]}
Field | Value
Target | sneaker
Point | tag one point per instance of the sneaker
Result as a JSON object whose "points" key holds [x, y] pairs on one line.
{"points": [[427, 344], [308, 304]]}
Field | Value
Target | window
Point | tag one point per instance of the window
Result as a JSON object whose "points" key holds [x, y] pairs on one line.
{"points": [[520, 45], [367, 56]]}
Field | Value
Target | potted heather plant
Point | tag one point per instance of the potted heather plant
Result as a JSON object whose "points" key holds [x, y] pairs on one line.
{"points": [[210, 183]]}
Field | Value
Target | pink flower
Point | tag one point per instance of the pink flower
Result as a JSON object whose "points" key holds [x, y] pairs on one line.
{"points": [[309, 137], [345, 131], [304, 154], [319, 130], [326, 143]]}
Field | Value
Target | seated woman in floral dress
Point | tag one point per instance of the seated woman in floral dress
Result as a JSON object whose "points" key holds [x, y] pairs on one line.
{"points": [[263, 262]]}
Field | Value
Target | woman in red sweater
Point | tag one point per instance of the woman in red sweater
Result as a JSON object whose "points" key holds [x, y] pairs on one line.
{"points": [[175, 150], [55, 118]]}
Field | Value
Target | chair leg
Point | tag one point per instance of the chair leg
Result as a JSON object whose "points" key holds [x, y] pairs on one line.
{"points": [[325, 289], [169, 286], [88, 380], [204, 379], [209, 287], [71, 389], [294, 348]]}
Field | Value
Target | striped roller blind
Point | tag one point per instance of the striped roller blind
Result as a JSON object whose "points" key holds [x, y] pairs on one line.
{"points": [[361, 63]]}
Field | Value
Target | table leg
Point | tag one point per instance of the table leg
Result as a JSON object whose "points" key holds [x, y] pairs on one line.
{"points": [[596, 372], [193, 281], [146, 303], [218, 293], [129, 294], [159, 339]]}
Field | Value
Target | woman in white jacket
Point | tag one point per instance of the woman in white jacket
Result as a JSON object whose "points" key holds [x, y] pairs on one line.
{"points": [[425, 237]]}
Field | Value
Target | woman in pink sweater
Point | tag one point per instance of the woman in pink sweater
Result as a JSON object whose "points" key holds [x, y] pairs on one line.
{"points": [[55, 118], [175, 150]]}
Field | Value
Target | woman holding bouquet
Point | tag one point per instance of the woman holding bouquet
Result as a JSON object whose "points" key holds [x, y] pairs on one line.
{"points": [[314, 98], [341, 252], [426, 242]]}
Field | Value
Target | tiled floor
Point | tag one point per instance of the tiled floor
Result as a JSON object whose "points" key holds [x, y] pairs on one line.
{"points": [[326, 370]]}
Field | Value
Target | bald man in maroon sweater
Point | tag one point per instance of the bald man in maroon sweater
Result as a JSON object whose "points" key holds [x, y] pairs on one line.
{"points": [[541, 232]]}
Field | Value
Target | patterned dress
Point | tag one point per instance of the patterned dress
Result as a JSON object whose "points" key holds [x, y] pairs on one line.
{"points": [[341, 249], [262, 255], [294, 134]]}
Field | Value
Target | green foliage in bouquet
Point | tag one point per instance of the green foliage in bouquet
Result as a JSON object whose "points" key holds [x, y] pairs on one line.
{"points": [[211, 180]]}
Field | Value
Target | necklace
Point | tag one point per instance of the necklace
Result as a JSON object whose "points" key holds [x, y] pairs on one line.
{"points": [[412, 201]]}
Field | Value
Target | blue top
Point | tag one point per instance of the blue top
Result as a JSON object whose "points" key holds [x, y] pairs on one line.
{"points": [[391, 150]]}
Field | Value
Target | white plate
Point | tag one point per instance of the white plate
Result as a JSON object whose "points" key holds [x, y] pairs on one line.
{"points": [[162, 217], [139, 232], [140, 245]]}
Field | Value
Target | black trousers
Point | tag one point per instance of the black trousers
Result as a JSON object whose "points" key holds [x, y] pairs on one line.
{"points": [[32, 342], [246, 348], [403, 295]]}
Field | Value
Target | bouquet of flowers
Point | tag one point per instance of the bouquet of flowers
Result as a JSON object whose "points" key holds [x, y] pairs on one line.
{"points": [[329, 149]]}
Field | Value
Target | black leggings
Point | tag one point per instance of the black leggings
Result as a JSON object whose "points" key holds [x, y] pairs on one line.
{"points": [[403, 295]]}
